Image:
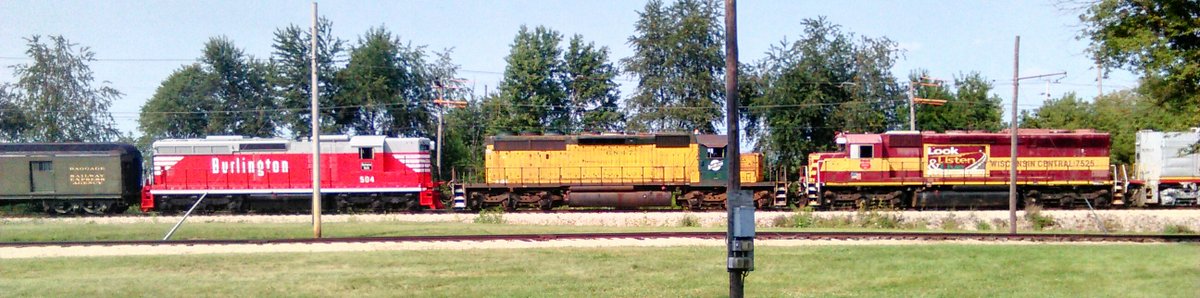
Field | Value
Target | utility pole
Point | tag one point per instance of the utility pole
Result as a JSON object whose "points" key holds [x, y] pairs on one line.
{"points": [[440, 90], [441, 104], [1012, 164], [912, 108], [913, 100], [316, 132], [739, 238]]}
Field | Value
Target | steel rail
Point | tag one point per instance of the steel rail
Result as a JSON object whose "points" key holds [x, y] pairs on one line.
{"points": [[846, 236]]}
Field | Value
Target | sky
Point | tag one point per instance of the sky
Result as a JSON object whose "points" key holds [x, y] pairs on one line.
{"points": [[140, 43]]}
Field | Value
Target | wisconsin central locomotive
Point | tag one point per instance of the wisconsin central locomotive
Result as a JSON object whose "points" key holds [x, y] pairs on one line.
{"points": [[962, 170], [238, 174], [617, 171]]}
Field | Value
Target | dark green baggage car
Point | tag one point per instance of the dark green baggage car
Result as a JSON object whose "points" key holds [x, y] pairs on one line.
{"points": [[71, 178]]}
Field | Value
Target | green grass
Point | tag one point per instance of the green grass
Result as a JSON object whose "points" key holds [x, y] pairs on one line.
{"points": [[89, 231], [47, 231], [880, 271]]}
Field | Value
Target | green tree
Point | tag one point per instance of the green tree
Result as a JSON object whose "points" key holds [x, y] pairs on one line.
{"points": [[589, 84], [1066, 112], [1156, 38], [179, 107], [240, 88], [533, 82], [825, 82], [13, 121], [291, 77], [679, 61], [969, 106], [1121, 114], [55, 98], [388, 85]]}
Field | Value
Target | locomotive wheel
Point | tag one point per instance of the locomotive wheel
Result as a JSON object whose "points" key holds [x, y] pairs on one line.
{"points": [[545, 203], [235, 207], [412, 205], [510, 204], [475, 202]]}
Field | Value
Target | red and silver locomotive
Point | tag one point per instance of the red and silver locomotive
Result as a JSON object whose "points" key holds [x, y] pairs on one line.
{"points": [[245, 174]]}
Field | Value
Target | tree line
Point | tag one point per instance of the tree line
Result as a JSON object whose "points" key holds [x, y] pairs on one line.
{"points": [[823, 81]]}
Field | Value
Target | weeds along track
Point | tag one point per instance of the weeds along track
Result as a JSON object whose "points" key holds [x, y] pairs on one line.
{"points": [[649, 236]]}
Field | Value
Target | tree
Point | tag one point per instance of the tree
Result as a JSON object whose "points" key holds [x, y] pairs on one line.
{"points": [[590, 86], [240, 88], [1157, 39], [825, 82], [13, 121], [1121, 114], [679, 61], [533, 82], [54, 96], [179, 107], [387, 85], [967, 107], [291, 77]]}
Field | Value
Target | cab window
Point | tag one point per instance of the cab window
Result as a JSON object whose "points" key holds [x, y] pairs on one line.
{"points": [[716, 153], [862, 151], [366, 153]]}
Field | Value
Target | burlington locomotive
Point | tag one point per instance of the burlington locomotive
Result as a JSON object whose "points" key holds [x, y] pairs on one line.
{"points": [[239, 174]]}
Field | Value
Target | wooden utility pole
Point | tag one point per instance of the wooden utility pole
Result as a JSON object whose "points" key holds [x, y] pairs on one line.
{"points": [[739, 238]]}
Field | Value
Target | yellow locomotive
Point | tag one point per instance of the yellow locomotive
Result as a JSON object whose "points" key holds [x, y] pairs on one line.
{"points": [[613, 170]]}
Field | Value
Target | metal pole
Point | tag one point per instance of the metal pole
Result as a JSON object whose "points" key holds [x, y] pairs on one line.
{"points": [[316, 133], [1012, 164], [912, 109], [185, 217]]}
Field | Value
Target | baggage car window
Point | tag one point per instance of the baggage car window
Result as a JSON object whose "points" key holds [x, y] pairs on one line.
{"points": [[366, 153]]}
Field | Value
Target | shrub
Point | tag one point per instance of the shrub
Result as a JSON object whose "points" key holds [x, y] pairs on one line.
{"points": [[982, 226], [689, 221], [1033, 214], [1177, 229], [949, 222], [490, 216]]}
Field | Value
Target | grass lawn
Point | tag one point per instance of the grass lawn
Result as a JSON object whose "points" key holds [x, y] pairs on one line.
{"points": [[890, 271], [55, 231], [43, 231]]}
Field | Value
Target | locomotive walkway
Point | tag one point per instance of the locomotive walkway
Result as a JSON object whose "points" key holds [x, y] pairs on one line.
{"points": [[655, 239]]}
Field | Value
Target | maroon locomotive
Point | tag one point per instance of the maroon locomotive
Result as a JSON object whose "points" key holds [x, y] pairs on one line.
{"points": [[960, 169]]}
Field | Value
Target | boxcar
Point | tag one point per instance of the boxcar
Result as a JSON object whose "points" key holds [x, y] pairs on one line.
{"points": [[247, 174], [612, 171], [71, 178], [1167, 171]]}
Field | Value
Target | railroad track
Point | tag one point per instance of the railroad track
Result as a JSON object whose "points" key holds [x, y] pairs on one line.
{"points": [[843, 236]]}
